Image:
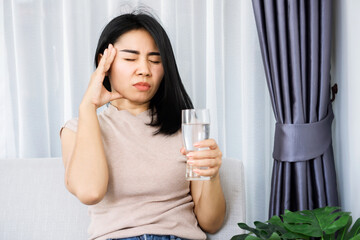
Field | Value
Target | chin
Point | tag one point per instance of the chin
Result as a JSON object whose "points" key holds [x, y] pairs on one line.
{"points": [[139, 101]]}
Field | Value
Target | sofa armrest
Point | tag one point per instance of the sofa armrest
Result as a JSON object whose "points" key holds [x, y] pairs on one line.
{"points": [[232, 181]]}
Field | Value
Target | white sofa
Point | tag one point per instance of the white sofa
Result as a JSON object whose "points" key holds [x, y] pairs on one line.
{"points": [[35, 205]]}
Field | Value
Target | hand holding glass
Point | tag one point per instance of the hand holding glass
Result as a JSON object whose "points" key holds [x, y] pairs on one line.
{"points": [[195, 128]]}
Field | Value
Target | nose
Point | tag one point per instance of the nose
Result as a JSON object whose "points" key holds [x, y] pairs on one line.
{"points": [[143, 68]]}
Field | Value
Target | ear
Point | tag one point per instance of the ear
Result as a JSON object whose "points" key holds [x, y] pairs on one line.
{"points": [[98, 60]]}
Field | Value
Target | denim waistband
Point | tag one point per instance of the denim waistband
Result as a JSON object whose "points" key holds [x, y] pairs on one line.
{"points": [[150, 237]]}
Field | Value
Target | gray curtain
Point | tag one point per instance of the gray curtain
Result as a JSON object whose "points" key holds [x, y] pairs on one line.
{"points": [[295, 41]]}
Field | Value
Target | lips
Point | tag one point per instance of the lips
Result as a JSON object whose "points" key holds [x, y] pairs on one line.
{"points": [[142, 86]]}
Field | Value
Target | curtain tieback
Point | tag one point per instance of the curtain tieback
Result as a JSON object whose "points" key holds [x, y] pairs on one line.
{"points": [[301, 142]]}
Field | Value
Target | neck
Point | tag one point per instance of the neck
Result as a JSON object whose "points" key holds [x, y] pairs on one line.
{"points": [[134, 109]]}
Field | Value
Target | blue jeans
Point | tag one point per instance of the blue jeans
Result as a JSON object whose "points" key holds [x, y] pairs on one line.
{"points": [[150, 237]]}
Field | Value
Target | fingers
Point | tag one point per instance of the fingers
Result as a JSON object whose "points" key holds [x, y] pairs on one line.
{"points": [[103, 67], [183, 151], [110, 58], [106, 59], [212, 152], [210, 172], [96, 93], [205, 162], [102, 62], [208, 143], [204, 154]]}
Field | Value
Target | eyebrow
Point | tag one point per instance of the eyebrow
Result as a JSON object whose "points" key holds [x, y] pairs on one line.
{"points": [[137, 52]]}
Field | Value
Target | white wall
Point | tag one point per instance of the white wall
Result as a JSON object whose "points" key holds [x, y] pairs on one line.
{"points": [[346, 128]]}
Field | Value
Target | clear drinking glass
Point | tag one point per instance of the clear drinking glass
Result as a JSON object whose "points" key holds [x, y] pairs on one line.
{"points": [[195, 128]]}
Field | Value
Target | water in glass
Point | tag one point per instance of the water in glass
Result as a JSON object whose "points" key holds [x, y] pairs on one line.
{"points": [[195, 128]]}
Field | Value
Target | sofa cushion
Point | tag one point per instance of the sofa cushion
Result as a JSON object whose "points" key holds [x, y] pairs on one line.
{"points": [[35, 203]]}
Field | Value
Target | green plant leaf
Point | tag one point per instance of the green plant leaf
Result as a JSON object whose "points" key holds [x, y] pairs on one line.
{"points": [[250, 229], [303, 222], [336, 225], [356, 237], [355, 230], [245, 227], [326, 210], [275, 236], [291, 235], [314, 223], [239, 237], [278, 225], [330, 219], [275, 220], [266, 230], [342, 232], [322, 222], [250, 237], [260, 225]]}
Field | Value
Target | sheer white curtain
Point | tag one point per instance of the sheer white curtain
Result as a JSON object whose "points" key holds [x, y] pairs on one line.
{"points": [[46, 61], [346, 130]]}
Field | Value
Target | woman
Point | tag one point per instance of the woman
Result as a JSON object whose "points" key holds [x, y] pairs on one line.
{"points": [[127, 162]]}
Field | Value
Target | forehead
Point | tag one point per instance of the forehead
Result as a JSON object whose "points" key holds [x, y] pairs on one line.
{"points": [[137, 39]]}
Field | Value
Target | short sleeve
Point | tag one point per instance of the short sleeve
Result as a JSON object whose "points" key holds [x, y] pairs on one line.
{"points": [[72, 124]]}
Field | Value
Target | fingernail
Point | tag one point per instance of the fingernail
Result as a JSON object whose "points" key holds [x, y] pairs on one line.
{"points": [[190, 162], [189, 155], [196, 145]]}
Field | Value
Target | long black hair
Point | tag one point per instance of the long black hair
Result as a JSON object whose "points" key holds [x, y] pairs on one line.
{"points": [[171, 97]]}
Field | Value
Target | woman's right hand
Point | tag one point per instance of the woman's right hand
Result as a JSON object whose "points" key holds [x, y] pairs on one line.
{"points": [[97, 94]]}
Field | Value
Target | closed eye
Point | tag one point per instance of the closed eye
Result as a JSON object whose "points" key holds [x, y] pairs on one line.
{"points": [[156, 62], [129, 59]]}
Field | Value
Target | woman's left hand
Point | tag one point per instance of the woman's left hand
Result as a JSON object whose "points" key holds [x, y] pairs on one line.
{"points": [[210, 158]]}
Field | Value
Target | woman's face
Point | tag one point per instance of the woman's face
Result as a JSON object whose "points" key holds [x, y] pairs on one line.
{"points": [[137, 70]]}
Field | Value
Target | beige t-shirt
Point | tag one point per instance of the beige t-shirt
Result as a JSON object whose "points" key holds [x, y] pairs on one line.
{"points": [[147, 191]]}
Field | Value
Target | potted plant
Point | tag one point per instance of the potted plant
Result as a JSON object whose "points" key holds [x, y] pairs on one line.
{"points": [[322, 223]]}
